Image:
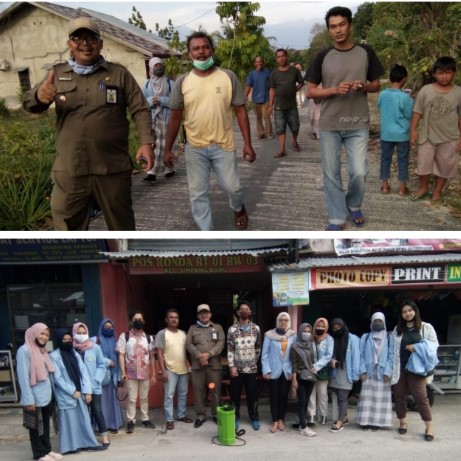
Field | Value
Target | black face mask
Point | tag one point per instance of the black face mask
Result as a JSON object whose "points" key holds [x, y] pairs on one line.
{"points": [[138, 324], [280, 331], [158, 71], [377, 327], [67, 346], [337, 333], [319, 331]]}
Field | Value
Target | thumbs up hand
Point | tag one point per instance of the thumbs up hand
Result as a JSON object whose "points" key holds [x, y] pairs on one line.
{"points": [[47, 91]]}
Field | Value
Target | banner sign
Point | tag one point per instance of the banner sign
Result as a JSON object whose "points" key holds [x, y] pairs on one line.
{"points": [[418, 274], [454, 273], [39, 251], [366, 246], [347, 277], [290, 289], [220, 264]]}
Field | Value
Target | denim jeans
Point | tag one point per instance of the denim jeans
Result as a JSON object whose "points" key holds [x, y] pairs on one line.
{"points": [[339, 202], [403, 152], [200, 161], [180, 382], [284, 118]]}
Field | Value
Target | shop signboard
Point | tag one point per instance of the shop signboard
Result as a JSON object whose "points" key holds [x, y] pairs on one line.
{"points": [[344, 247], [194, 264], [418, 275], [454, 273], [290, 289], [349, 277]]}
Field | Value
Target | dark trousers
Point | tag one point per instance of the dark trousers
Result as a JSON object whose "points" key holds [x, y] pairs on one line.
{"points": [[304, 392], [97, 414], [278, 397], [409, 382], [41, 444], [249, 381]]}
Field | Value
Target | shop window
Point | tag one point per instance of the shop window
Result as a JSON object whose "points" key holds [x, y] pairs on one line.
{"points": [[24, 80], [54, 305]]}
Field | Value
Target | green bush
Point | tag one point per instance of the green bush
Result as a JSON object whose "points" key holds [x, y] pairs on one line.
{"points": [[27, 153], [4, 111]]}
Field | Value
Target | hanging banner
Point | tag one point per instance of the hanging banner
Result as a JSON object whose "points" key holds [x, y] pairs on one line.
{"points": [[366, 246], [347, 277], [290, 289]]}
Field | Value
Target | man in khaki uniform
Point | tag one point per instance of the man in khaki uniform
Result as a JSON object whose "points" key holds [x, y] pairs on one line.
{"points": [[91, 97], [205, 342]]}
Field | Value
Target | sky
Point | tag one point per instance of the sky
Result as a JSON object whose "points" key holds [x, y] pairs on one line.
{"points": [[290, 22]]}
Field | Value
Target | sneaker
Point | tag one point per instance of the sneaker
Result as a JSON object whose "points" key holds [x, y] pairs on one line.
{"points": [[237, 424], [46, 458], [148, 425], [149, 179], [55, 455], [255, 425], [130, 427], [308, 432], [335, 428]]}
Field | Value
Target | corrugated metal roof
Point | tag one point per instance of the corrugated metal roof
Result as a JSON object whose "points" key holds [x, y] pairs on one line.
{"points": [[344, 261], [118, 30], [177, 253]]}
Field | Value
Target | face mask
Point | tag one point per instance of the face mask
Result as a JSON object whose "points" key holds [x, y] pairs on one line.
{"points": [[67, 346], [377, 327], [158, 71], [305, 336], [280, 331], [337, 333], [81, 338], [108, 332], [138, 324], [203, 65], [319, 331]]}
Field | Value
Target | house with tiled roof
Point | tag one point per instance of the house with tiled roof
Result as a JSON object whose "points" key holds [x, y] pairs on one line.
{"points": [[33, 37]]}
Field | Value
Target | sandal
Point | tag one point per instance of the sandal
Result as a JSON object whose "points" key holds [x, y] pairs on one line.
{"points": [[296, 147], [404, 193], [440, 201], [403, 429], [358, 220], [335, 227], [241, 219], [428, 437], [280, 154], [415, 197], [313, 136]]}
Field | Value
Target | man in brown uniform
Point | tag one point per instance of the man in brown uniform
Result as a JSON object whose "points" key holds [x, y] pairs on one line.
{"points": [[205, 342], [91, 97]]}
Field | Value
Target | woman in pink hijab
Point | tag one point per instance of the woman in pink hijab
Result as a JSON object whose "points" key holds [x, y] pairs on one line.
{"points": [[33, 368]]}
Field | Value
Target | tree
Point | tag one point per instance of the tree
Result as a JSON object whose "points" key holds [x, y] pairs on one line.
{"points": [[242, 38], [137, 19]]}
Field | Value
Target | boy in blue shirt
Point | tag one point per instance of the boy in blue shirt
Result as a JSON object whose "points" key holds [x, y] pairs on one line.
{"points": [[395, 107]]}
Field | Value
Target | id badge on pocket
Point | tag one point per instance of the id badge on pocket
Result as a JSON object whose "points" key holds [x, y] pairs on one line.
{"points": [[111, 95]]}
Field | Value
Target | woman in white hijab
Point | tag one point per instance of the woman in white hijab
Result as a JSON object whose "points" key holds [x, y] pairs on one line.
{"points": [[374, 409], [157, 90], [277, 368]]}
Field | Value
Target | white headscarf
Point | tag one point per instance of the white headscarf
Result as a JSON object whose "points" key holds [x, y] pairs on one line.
{"points": [[378, 336], [160, 84]]}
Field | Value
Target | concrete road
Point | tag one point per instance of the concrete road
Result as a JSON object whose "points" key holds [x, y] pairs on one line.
{"points": [[283, 195], [187, 443]]}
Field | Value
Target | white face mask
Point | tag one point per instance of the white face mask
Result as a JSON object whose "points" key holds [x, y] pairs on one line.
{"points": [[81, 338]]}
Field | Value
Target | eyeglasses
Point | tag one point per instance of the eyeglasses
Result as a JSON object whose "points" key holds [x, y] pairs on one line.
{"points": [[90, 39]]}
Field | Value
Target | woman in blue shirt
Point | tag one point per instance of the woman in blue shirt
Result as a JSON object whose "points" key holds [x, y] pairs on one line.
{"points": [[33, 366]]}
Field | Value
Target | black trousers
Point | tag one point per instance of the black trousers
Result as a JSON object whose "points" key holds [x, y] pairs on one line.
{"points": [[97, 414], [278, 397], [249, 381], [305, 388], [41, 444]]}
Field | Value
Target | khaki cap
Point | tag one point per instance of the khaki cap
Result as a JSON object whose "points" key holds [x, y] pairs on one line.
{"points": [[83, 23], [203, 307]]}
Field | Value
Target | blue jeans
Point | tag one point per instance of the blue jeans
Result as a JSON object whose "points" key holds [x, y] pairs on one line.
{"points": [[200, 161], [284, 118], [181, 382], [339, 202], [403, 152]]}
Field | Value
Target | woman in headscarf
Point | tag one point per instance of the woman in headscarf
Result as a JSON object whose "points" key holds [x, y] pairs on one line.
{"points": [[415, 357], [110, 403], [72, 386], [95, 363], [374, 409], [157, 90], [33, 366], [302, 355], [345, 368], [324, 350], [276, 368]]}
